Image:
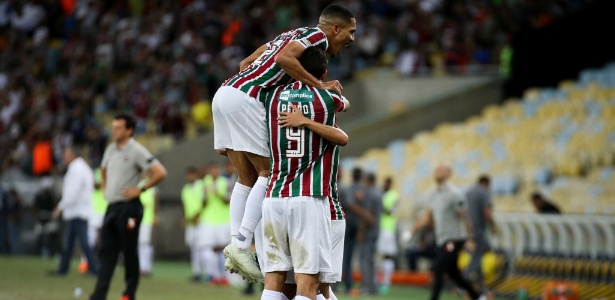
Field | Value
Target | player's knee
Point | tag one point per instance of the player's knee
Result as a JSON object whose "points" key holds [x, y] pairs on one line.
{"points": [[264, 173]]}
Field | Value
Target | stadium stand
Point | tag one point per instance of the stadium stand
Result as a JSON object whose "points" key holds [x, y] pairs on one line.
{"points": [[559, 141]]}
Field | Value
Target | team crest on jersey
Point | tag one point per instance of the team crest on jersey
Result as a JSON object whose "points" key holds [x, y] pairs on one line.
{"points": [[297, 96]]}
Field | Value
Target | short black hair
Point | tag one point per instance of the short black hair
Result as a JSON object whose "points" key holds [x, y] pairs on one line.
{"points": [[191, 170], [537, 196], [128, 119], [337, 12], [484, 179], [314, 60], [357, 174], [371, 177]]}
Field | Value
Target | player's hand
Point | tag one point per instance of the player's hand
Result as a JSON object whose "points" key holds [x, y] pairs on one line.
{"points": [[130, 193], [333, 85], [470, 245], [56, 213], [294, 118]]}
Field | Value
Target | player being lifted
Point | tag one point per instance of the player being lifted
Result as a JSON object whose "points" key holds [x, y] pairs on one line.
{"points": [[303, 144], [239, 119]]}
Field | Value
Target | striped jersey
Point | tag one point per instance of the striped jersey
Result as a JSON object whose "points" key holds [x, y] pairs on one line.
{"points": [[264, 72], [302, 162]]}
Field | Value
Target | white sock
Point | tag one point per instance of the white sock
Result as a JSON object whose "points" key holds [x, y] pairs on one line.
{"points": [[271, 295], [320, 297], [301, 298], [331, 294], [388, 267], [146, 257], [253, 214], [211, 262], [195, 261], [221, 261], [239, 196]]}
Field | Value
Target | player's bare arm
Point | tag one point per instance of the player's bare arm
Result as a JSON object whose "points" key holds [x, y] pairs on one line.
{"points": [[248, 60], [295, 118], [424, 220], [288, 60]]}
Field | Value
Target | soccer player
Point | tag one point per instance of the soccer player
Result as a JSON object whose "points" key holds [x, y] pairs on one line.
{"points": [[192, 201], [239, 128], [387, 242], [304, 154]]}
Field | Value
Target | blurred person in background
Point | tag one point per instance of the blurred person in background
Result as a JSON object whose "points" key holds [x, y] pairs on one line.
{"points": [[123, 164], [367, 238], [480, 210], [99, 206], [4, 207], [387, 240], [543, 205], [214, 233], [14, 221], [350, 201], [447, 212], [424, 246], [149, 200], [75, 208], [46, 227], [192, 201]]}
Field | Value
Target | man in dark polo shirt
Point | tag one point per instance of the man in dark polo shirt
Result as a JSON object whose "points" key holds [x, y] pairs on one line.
{"points": [[123, 163], [447, 213]]}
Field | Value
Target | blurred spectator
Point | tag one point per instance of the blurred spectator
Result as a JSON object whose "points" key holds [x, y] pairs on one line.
{"points": [[157, 59], [46, 227], [14, 222], [349, 201], [4, 212], [75, 208], [543, 205], [480, 210], [425, 247], [387, 240], [367, 237]]}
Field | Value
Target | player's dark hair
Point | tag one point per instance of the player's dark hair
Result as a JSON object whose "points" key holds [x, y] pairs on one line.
{"points": [[314, 60], [128, 119], [191, 170], [537, 196], [337, 12], [484, 179], [357, 174], [371, 177]]}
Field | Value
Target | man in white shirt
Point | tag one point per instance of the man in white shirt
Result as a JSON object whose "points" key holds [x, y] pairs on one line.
{"points": [[75, 208]]}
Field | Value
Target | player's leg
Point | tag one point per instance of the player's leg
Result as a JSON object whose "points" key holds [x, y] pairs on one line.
{"points": [[229, 111], [246, 177], [146, 251], [454, 273], [109, 250], [338, 230], [276, 244], [310, 242], [253, 211], [387, 247]]}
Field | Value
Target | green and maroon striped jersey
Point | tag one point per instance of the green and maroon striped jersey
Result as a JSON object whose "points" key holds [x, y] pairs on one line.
{"points": [[302, 162], [264, 72]]}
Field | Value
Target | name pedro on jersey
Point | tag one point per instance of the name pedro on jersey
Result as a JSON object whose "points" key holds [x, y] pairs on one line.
{"points": [[296, 96]]}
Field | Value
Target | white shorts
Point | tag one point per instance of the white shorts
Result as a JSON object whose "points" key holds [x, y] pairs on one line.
{"points": [[297, 234], [145, 234], [191, 235], [96, 220], [239, 122], [387, 244], [338, 230], [210, 236]]}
